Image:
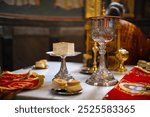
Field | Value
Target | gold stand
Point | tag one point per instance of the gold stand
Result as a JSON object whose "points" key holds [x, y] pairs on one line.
{"points": [[122, 56], [95, 50]]}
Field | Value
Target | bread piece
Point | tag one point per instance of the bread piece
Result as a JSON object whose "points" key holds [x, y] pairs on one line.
{"points": [[73, 86], [63, 48], [41, 64], [45, 62], [59, 83]]}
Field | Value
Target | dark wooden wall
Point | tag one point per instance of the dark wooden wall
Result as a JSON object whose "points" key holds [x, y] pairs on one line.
{"points": [[28, 48], [26, 41]]}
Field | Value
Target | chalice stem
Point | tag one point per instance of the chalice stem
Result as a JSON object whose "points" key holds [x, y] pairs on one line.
{"points": [[102, 52]]}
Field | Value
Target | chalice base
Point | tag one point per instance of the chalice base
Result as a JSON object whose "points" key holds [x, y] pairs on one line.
{"points": [[102, 78]]}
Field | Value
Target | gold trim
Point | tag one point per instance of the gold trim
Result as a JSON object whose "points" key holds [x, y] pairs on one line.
{"points": [[127, 91], [39, 78]]}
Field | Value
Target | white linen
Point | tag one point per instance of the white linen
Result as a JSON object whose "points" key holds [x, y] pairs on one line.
{"points": [[89, 92]]}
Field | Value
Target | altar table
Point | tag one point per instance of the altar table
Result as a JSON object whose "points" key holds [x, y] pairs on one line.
{"points": [[44, 92]]}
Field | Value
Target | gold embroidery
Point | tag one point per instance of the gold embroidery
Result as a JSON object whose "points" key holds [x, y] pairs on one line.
{"points": [[131, 92]]}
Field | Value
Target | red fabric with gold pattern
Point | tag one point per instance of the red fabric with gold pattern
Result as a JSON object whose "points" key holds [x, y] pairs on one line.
{"points": [[11, 83], [134, 86]]}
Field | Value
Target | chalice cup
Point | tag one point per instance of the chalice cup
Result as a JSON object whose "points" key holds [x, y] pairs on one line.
{"points": [[122, 55], [103, 29]]}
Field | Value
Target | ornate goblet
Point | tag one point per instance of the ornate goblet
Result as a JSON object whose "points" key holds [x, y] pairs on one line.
{"points": [[103, 29]]}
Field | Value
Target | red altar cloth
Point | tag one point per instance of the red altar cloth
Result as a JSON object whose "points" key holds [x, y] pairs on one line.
{"points": [[12, 83], [133, 86]]}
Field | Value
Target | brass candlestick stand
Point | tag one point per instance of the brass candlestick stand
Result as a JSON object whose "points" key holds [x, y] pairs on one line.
{"points": [[95, 50]]}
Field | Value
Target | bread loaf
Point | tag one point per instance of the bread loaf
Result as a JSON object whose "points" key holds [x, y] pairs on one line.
{"points": [[63, 48]]}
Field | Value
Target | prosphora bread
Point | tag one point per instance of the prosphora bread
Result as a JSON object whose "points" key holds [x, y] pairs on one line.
{"points": [[70, 86], [59, 83], [73, 86], [63, 48], [41, 63]]}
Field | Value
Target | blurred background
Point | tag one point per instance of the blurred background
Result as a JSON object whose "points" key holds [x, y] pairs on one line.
{"points": [[28, 28]]}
